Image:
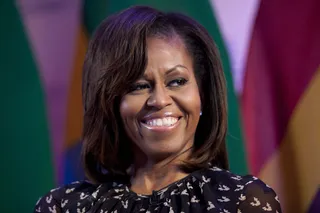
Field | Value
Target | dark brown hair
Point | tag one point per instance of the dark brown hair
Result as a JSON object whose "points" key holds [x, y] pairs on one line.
{"points": [[116, 58]]}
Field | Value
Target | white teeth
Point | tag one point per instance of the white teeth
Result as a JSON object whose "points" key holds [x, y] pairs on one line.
{"points": [[168, 121]]}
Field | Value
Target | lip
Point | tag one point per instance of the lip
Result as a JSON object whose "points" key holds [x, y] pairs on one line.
{"points": [[161, 128], [160, 115]]}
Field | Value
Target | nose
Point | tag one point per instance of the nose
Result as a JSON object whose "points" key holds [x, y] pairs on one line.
{"points": [[159, 97]]}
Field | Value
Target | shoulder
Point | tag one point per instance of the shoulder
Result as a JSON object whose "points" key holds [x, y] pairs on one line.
{"points": [[251, 194], [56, 199], [239, 182]]}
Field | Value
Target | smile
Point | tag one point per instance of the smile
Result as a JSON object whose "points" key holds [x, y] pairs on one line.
{"points": [[167, 121], [161, 124]]}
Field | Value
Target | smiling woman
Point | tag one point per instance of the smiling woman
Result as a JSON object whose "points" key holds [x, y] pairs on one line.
{"points": [[155, 123], [161, 112]]}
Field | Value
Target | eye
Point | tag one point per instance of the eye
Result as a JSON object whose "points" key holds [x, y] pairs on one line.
{"points": [[139, 86], [177, 82]]}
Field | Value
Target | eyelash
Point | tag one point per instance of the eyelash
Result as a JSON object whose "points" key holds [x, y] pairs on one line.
{"points": [[180, 81], [141, 86]]}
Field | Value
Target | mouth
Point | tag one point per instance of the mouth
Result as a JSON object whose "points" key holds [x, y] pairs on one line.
{"points": [[161, 124]]}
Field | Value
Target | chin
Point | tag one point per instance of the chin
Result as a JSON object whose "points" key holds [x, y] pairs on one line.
{"points": [[160, 153]]}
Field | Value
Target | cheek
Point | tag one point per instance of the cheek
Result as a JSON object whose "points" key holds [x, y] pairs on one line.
{"points": [[191, 101], [125, 108], [129, 111]]}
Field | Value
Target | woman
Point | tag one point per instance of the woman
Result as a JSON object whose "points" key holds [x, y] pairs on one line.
{"points": [[155, 123]]}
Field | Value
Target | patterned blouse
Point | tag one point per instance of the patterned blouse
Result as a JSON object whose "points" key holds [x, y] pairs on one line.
{"points": [[208, 190]]}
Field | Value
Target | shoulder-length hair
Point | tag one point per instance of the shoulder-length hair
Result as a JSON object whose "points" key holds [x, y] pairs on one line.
{"points": [[116, 58]]}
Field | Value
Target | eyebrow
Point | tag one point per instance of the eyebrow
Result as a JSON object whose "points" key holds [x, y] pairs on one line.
{"points": [[174, 68], [169, 70]]}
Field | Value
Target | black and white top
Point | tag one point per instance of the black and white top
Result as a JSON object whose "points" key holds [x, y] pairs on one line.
{"points": [[207, 190]]}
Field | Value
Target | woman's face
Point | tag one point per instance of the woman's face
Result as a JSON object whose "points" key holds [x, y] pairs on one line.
{"points": [[161, 112]]}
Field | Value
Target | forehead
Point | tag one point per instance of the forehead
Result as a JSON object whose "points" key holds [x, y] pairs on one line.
{"points": [[172, 43], [165, 53]]}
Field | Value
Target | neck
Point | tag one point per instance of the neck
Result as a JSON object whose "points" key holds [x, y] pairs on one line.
{"points": [[149, 175]]}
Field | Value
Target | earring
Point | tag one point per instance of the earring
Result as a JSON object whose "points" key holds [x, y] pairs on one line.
{"points": [[200, 113]]}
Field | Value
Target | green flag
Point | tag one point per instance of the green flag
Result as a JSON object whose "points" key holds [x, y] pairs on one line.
{"points": [[26, 167]]}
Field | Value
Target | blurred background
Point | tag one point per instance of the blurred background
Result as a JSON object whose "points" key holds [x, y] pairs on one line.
{"points": [[271, 58]]}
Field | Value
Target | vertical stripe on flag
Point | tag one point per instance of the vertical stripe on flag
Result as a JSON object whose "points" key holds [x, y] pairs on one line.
{"points": [[94, 13], [280, 100], [72, 147], [74, 107], [315, 205], [52, 29], [236, 25], [26, 166]]}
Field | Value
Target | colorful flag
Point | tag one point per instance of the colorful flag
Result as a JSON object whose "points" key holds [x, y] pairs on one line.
{"points": [[275, 48], [281, 100], [26, 160]]}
